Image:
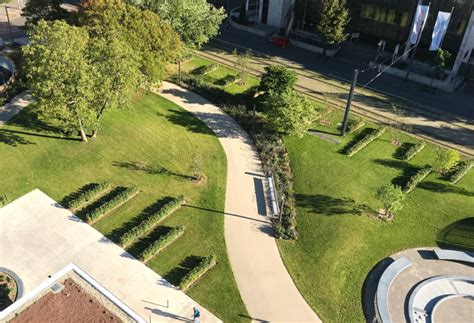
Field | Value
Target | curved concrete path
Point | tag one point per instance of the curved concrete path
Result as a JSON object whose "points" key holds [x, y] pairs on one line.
{"points": [[264, 284]]}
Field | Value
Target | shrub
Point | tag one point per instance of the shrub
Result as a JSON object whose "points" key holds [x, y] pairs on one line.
{"points": [[197, 272], [352, 150], [205, 69], [277, 79], [161, 243], [413, 150], [392, 198], [227, 80], [446, 159], [95, 214], [88, 195], [355, 125], [4, 200], [417, 178], [150, 222], [461, 170]]}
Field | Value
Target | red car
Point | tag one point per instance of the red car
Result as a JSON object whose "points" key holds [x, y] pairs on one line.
{"points": [[279, 41]]}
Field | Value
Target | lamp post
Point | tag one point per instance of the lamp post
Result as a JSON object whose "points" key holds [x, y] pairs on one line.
{"points": [[349, 102]]}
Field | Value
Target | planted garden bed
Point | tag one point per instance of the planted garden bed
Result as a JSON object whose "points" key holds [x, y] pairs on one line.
{"points": [[8, 290]]}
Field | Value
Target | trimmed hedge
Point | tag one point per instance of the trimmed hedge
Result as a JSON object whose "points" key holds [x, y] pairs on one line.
{"points": [[417, 178], [228, 80], [461, 170], [197, 272], [97, 213], [352, 150], [160, 244], [413, 150], [355, 125], [150, 222], [205, 69], [88, 195]]}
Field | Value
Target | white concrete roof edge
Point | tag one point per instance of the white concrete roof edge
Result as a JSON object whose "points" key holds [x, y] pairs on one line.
{"points": [[54, 278]]}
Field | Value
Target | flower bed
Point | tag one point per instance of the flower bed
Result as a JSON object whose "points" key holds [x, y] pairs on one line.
{"points": [[91, 192], [97, 213], [413, 151], [8, 290], [367, 139], [197, 272], [461, 170], [417, 178], [161, 243]]}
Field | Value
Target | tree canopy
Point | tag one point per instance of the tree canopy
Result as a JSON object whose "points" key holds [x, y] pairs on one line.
{"points": [[35, 10], [277, 79], [333, 19], [392, 198]]}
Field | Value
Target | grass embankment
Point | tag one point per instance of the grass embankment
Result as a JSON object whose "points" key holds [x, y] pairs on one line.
{"points": [[155, 146], [340, 239]]}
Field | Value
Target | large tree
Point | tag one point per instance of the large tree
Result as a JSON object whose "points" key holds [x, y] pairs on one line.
{"points": [[277, 79], [36, 10], [332, 22], [59, 74], [154, 41], [195, 20]]}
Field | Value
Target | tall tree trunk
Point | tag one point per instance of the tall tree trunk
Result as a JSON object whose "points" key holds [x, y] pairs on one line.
{"points": [[97, 119], [82, 132]]}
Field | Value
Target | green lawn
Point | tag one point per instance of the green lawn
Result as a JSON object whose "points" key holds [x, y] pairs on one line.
{"points": [[340, 240], [163, 140]]}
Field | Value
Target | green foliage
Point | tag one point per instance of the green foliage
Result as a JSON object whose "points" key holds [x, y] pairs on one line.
{"points": [[367, 139], [97, 213], [4, 200], [203, 70], [229, 79], [461, 170], [332, 23], [197, 272], [151, 221], [92, 192], [242, 64], [417, 178], [392, 198], [446, 159], [161, 243], [195, 21], [36, 10], [355, 124], [58, 73], [441, 62], [290, 112], [277, 79], [413, 150]]}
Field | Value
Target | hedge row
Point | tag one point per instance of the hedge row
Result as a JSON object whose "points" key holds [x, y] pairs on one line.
{"points": [[151, 221], [203, 70], [197, 272], [413, 150], [417, 178], [461, 170], [355, 125], [352, 150], [161, 243], [228, 80], [97, 213], [88, 195]]}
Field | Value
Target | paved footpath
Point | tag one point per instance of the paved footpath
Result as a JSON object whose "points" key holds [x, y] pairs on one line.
{"points": [[14, 106], [264, 284]]}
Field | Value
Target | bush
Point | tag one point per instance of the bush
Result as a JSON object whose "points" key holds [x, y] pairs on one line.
{"points": [[277, 79], [417, 178], [355, 125], [227, 80], [446, 159], [161, 243], [392, 198], [352, 150], [98, 212], [461, 170], [4, 200], [197, 272], [150, 222], [88, 195], [205, 69], [413, 151]]}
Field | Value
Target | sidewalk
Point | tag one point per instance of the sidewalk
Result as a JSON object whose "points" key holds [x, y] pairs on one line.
{"points": [[433, 123], [264, 284], [14, 106]]}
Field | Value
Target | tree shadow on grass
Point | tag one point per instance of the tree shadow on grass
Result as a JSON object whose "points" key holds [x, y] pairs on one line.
{"points": [[14, 134], [140, 245], [72, 196], [458, 235], [175, 275], [188, 121], [152, 170], [361, 134], [29, 119], [442, 188], [327, 205], [407, 169], [144, 214], [11, 138], [400, 151]]}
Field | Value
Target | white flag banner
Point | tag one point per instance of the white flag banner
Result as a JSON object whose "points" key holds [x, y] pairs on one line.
{"points": [[439, 30], [418, 23]]}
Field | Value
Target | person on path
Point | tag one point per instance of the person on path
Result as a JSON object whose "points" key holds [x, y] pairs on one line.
{"points": [[196, 314]]}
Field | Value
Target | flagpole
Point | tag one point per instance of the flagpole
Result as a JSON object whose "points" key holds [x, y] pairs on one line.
{"points": [[417, 42]]}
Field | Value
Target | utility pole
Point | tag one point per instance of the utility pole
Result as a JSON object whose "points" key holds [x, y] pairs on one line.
{"points": [[349, 102]]}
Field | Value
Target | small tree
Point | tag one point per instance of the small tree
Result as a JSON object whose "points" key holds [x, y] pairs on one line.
{"points": [[242, 65], [333, 19], [277, 79], [392, 198], [36, 10], [446, 160], [440, 63], [291, 112]]}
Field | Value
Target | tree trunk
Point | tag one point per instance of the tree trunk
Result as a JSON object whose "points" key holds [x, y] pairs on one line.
{"points": [[97, 120], [179, 69], [82, 132]]}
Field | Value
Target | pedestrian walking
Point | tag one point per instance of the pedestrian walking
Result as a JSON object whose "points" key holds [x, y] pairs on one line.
{"points": [[196, 314]]}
